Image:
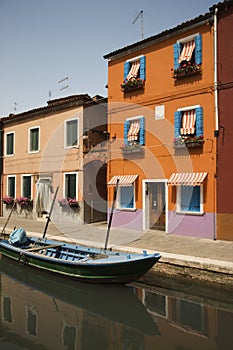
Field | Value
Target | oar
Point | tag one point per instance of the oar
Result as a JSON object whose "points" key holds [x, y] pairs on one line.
{"points": [[50, 213], [111, 214], [11, 211]]}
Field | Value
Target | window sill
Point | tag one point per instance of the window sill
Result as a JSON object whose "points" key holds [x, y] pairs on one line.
{"points": [[194, 213], [126, 209]]}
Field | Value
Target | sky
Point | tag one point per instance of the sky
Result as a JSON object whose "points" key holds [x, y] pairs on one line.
{"points": [[45, 41]]}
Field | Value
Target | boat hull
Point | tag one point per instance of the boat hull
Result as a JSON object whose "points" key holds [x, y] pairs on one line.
{"points": [[106, 267]]}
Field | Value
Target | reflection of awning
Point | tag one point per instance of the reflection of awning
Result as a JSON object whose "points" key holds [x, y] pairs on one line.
{"points": [[187, 179], [124, 180]]}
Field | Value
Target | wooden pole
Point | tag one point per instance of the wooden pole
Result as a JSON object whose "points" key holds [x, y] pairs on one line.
{"points": [[50, 213], [111, 214], [11, 211]]}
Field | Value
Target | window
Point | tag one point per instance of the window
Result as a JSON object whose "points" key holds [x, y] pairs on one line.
{"points": [[11, 186], [190, 199], [134, 131], [71, 133], [10, 136], [34, 138], [125, 198], [188, 125], [135, 68], [71, 185], [187, 56], [26, 186]]}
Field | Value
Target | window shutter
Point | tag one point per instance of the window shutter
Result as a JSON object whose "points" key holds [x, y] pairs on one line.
{"points": [[198, 49], [142, 131], [177, 123], [199, 121], [143, 67], [126, 129], [176, 52], [126, 69]]}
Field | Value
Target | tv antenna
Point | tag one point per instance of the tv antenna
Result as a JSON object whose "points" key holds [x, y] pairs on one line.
{"points": [[62, 81], [140, 14]]}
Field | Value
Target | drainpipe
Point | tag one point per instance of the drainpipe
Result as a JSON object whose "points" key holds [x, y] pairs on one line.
{"points": [[216, 131]]}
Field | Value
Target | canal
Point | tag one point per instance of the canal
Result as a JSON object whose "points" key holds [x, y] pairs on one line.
{"points": [[40, 311]]}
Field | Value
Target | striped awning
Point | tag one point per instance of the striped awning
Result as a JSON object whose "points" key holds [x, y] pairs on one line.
{"points": [[187, 179], [188, 122], [187, 51], [133, 70], [124, 180], [133, 130]]}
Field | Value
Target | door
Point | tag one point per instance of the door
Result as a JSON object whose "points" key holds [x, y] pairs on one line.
{"points": [[155, 205]]}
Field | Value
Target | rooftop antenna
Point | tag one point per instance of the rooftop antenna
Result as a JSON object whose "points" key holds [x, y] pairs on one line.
{"points": [[61, 81], [140, 14], [15, 108]]}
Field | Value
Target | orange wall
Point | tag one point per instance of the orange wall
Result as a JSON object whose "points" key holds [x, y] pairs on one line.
{"points": [[161, 159]]}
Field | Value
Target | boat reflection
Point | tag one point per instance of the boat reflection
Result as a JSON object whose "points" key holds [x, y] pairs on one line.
{"points": [[56, 313]]}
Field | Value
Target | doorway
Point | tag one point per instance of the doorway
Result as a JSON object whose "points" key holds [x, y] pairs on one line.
{"points": [[155, 205]]}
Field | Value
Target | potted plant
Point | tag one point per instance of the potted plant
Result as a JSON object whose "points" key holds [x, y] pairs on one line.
{"points": [[132, 84], [133, 147], [188, 141], [186, 69], [25, 202]]}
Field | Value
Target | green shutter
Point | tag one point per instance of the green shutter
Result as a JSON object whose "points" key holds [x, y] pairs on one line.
{"points": [[71, 133], [10, 144], [143, 68], [34, 139], [142, 131], [27, 186]]}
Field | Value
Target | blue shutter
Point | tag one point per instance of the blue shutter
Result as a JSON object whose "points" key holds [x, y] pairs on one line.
{"points": [[126, 69], [177, 123], [142, 131], [198, 49], [126, 129], [176, 52], [143, 67], [199, 121]]}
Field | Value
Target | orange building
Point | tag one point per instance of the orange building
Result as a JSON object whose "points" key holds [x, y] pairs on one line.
{"points": [[161, 121]]}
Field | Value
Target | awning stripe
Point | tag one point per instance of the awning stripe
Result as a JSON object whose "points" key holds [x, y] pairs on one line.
{"points": [[188, 122], [187, 179], [124, 180], [187, 51], [133, 70]]}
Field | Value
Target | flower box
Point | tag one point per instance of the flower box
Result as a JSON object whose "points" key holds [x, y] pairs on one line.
{"points": [[132, 84], [132, 149], [8, 200], [186, 70], [69, 202], [188, 142]]}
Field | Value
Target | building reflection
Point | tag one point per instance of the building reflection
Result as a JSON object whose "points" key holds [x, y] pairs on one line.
{"points": [[58, 314]]}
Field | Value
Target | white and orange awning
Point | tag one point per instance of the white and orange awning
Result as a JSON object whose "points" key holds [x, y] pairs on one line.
{"points": [[188, 122], [124, 180], [187, 51], [133, 70], [133, 130], [187, 179]]}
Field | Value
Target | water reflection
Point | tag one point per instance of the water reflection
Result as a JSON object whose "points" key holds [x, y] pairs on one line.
{"points": [[40, 311]]}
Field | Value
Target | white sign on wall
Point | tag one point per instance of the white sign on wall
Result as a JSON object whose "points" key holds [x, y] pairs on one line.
{"points": [[159, 112]]}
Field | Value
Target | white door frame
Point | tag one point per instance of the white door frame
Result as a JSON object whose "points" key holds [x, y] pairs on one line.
{"points": [[144, 202]]}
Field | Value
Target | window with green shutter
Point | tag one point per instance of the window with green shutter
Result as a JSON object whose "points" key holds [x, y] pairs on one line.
{"points": [[10, 143], [71, 133], [11, 186], [71, 185], [26, 186], [34, 134]]}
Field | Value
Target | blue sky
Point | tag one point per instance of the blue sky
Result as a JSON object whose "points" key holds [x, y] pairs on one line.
{"points": [[45, 41]]}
